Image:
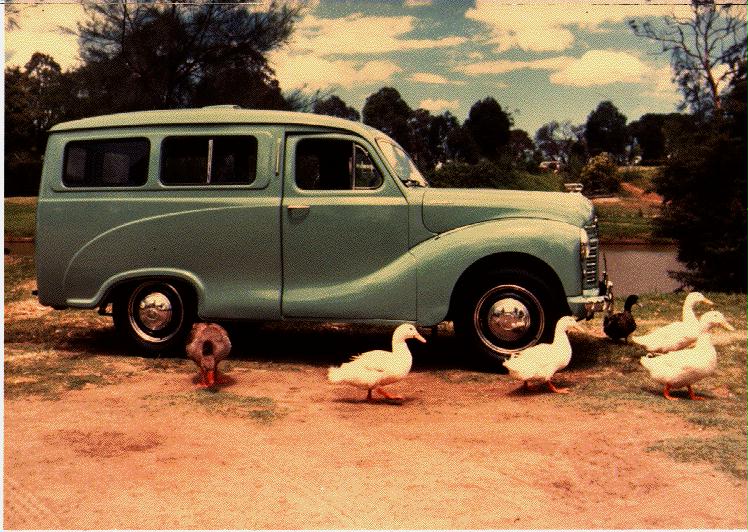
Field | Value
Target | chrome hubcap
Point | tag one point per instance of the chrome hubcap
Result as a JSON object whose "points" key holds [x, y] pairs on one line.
{"points": [[154, 311], [508, 319]]}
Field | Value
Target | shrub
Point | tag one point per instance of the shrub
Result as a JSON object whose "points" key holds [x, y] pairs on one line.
{"points": [[487, 174], [600, 174]]}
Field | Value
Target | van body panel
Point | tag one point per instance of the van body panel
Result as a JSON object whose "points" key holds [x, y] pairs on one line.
{"points": [[346, 251], [443, 259]]}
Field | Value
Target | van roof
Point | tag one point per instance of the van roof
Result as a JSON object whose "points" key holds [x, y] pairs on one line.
{"points": [[216, 114]]}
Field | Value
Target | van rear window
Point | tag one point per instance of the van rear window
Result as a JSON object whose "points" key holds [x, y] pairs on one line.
{"points": [[106, 163], [209, 160]]}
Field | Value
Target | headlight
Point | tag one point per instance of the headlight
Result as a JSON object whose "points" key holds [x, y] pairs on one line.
{"points": [[584, 245]]}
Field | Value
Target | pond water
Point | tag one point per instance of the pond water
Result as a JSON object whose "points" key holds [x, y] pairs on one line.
{"points": [[634, 269], [638, 269]]}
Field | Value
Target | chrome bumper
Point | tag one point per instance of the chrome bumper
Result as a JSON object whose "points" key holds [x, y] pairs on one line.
{"points": [[591, 301]]}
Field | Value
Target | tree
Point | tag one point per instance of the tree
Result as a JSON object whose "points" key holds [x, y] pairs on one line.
{"points": [[428, 137], [703, 184], [334, 106], [649, 136], [705, 49], [489, 126], [155, 55], [35, 99], [460, 146], [605, 131], [560, 140], [522, 150], [386, 111]]}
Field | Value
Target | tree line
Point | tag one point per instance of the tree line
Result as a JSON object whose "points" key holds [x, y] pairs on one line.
{"points": [[165, 55]]}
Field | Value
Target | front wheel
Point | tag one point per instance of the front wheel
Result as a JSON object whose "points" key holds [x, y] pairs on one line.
{"points": [[153, 315], [504, 312]]}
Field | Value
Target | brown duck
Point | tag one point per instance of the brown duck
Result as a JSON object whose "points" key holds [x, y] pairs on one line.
{"points": [[621, 324], [208, 344]]}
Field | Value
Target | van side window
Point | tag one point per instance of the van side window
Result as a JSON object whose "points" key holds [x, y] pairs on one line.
{"points": [[334, 164], [209, 160], [106, 163]]}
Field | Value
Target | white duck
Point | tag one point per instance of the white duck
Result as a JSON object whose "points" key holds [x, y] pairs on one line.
{"points": [[540, 362], [686, 366], [676, 335], [374, 369]]}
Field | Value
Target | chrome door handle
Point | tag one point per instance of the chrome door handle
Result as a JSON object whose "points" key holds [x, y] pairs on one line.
{"points": [[298, 207]]}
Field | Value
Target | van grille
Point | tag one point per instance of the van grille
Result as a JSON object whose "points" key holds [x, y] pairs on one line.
{"points": [[590, 265]]}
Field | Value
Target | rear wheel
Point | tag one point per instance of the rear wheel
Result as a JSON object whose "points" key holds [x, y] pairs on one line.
{"points": [[153, 315], [505, 311]]}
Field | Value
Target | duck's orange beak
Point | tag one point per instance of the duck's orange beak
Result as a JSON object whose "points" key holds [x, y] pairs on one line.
{"points": [[420, 338]]}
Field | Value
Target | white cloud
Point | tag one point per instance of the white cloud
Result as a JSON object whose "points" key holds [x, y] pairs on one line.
{"points": [[503, 66], [313, 72], [38, 31], [438, 105], [436, 79], [359, 34], [540, 26], [602, 67]]}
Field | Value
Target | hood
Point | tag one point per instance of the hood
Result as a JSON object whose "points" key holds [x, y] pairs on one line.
{"points": [[448, 208]]}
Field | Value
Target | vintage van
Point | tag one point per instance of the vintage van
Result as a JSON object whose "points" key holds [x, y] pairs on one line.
{"points": [[223, 213]]}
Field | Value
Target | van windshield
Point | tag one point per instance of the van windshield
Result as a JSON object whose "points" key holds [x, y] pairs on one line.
{"points": [[402, 164]]}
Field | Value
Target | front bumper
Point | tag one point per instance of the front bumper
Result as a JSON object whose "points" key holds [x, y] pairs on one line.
{"points": [[591, 301]]}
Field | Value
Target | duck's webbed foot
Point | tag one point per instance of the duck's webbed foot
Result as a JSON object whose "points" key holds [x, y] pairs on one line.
{"points": [[387, 395], [666, 393], [693, 395], [556, 390]]}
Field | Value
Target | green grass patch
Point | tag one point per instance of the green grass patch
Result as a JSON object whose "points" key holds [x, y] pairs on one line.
{"points": [[262, 409], [546, 181], [727, 453], [30, 372], [624, 221], [20, 218]]}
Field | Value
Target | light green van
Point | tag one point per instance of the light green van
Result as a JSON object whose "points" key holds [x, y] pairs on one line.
{"points": [[223, 213]]}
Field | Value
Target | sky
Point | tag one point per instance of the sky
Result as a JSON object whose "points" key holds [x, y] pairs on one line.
{"points": [[542, 60]]}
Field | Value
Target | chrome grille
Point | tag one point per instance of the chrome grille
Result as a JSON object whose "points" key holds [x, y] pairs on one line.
{"points": [[590, 265]]}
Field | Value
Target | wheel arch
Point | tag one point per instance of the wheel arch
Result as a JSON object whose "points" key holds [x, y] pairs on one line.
{"points": [[191, 286], [509, 260]]}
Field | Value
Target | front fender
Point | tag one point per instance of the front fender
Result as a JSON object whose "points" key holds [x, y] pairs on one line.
{"points": [[444, 258]]}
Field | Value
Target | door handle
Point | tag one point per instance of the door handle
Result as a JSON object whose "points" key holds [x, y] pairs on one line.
{"points": [[297, 211]]}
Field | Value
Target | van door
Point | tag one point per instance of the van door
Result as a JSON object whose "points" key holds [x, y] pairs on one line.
{"points": [[345, 233]]}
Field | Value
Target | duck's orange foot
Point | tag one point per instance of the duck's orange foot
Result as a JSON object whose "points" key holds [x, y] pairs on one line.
{"points": [[389, 396], [556, 390], [666, 393], [693, 395]]}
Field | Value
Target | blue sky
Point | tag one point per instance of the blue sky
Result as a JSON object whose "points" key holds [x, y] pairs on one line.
{"points": [[541, 60]]}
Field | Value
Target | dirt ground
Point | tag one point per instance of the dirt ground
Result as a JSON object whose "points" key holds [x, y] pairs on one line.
{"points": [[278, 447]]}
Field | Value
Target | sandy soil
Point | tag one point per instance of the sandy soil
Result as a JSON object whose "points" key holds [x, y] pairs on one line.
{"points": [[464, 450]]}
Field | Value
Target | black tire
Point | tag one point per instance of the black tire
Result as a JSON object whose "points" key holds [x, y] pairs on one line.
{"points": [[485, 323], [154, 316]]}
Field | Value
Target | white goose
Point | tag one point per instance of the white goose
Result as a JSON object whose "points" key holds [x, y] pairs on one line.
{"points": [[374, 369], [540, 362], [676, 335], [686, 366]]}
